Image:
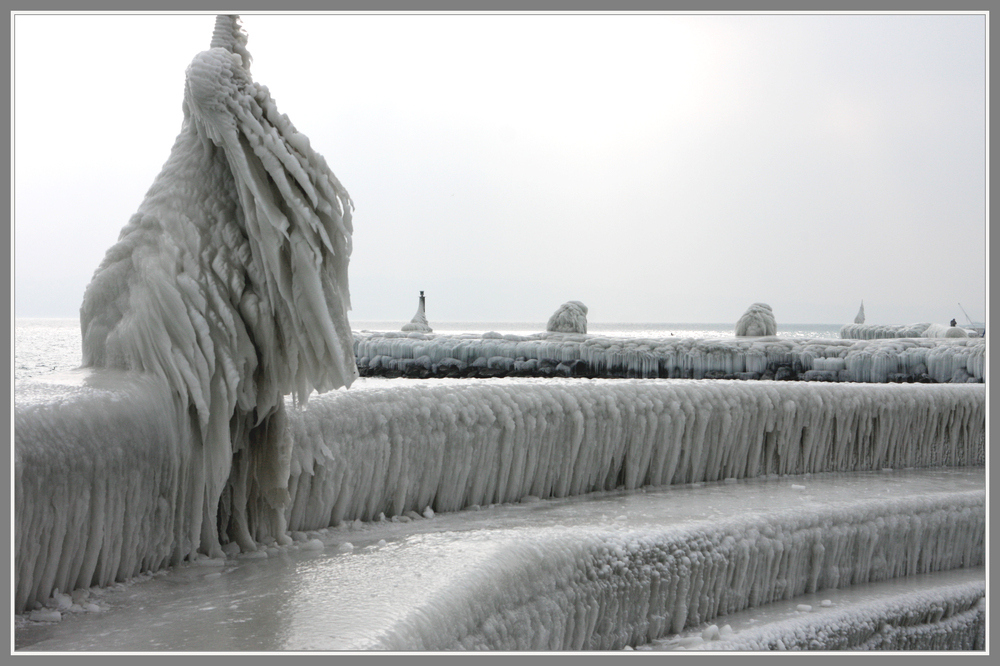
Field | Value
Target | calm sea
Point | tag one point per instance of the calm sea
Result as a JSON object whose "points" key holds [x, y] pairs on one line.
{"points": [[42, 346]]}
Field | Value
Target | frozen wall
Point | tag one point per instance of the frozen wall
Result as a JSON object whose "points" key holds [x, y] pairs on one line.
{"points": [[230, 283], [551, 354], [104, 488]]}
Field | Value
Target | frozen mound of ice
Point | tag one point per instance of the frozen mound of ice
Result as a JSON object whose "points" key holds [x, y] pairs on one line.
{"points": [[571, 317], [757, 321], [554, 354], [860, 317], [605, 590], [230, 283]]}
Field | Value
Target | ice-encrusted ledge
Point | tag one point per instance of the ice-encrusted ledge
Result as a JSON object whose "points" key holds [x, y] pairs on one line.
{"points": [[568, 354]]}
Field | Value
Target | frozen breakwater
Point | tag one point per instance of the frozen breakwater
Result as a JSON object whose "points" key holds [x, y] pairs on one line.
{"points": [[103, 477], [939, 360]]}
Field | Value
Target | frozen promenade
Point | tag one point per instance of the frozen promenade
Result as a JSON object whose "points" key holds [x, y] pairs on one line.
{"points": [[652, 568]]}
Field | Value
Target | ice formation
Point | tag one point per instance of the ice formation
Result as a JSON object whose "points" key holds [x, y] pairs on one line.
{"points": [[553, 354], [571, 317], [946, 618], [229, 283], [860, 317], [606, 590], [862, 331], [419, 321], [757, 321], [602, 571], [102, 483]]}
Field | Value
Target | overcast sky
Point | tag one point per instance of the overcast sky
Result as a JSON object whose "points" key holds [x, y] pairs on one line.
{"points": [[659, 168]]}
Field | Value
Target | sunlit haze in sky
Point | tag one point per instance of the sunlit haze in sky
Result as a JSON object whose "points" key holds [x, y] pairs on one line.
{"points": [[656, 167]]}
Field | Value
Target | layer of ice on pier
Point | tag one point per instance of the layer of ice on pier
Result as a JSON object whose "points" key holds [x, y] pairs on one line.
{"points": [[943, 360], [102, 481], [862, 331]]}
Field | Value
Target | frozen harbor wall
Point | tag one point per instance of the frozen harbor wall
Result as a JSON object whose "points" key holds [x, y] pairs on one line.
{"points": [[553, 354], [103, 479]]}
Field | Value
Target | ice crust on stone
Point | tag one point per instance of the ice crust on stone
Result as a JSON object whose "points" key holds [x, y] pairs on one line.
{"points": [[230, 284], [757, 321], [877, 360], [570, 317], [102, 491]]}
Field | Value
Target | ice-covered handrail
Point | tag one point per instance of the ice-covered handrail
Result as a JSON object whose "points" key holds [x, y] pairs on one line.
{"points": [[929, 359], [230, 283]]}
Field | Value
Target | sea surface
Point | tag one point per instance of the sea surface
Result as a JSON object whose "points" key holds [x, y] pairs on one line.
{"points": [[43, 346]]}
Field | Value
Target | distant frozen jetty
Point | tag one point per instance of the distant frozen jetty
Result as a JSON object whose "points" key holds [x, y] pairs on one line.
{"points": [[862, 331], [922, 359]]}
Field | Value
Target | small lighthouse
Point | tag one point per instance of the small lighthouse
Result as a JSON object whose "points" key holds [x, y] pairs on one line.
{"points": [[419, 321]]}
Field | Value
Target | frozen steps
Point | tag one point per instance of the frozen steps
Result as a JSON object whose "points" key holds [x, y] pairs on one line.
{"points": [[596, 572], [936, 611]]}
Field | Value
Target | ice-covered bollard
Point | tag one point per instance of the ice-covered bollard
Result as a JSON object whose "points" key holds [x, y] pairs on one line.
{"points": [[571, 317], [757, 321]]}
